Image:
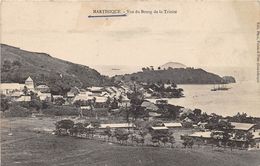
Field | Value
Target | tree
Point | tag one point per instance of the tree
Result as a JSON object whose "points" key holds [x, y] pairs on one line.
{"points": [[188, 141], [16, 63], [36, 104], [173, 85], [78, 104], [59, 101], [34, 95], [95, 124], [7, 65], [114, 104], [155, 140], [164, 139], [133, 78], [136, 100], [225, 138], [94, 101], [65, 124], [138, 138], [5, 103], [120, 99], [162, 136], [121, 135], [249, 139], [171, 140], [108, 101], [46, 104], [108, 132], [25, 90], [197, 112], [242, 118], [77, 129]]}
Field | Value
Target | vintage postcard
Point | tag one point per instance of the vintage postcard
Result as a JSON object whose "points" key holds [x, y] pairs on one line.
{"points": [[127, 83]]}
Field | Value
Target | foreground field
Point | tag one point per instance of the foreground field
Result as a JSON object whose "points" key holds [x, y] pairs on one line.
{"points": [[33, 144]]}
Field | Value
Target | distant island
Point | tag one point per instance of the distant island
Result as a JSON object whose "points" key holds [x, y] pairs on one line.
{"points": [[177, 73]]}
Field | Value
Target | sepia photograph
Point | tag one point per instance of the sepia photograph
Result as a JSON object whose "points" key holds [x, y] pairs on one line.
{"points": [[130, 83]]}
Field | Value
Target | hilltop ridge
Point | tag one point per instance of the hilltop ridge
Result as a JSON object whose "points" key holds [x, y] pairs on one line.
{"points": [[59, 75]]}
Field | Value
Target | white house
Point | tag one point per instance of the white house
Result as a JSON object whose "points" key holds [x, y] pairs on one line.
{"points": [[9, 88], [24, 98]]}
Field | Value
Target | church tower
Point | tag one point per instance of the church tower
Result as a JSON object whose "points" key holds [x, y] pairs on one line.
{"points": [[29, 83]]}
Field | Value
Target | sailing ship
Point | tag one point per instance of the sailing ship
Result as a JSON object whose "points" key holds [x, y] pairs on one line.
{"points": [[222, 88]]}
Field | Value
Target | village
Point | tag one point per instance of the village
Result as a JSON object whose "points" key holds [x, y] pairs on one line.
{"points": [[126, 113]]}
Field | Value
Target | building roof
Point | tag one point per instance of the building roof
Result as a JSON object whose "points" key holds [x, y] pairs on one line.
{"points": [[24, 98], [70, 94], [11, 86], [29, 79], [172, 125], [160, 128], [82, 97], [57, 96], [95, 88], [47, 94], [256, 135], [117, 125], [242, 126], [85, 107], [154, 114], [149, 105], [206, 134], [42, 87], [101, 99]]}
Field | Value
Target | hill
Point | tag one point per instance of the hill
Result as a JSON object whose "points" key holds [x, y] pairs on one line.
{"points": [[229, 79], [59, 75], [178, 76], [173, 65]]}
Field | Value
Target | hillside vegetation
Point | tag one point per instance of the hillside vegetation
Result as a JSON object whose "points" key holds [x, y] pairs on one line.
{"points": [[59, 75], [177, 75]]}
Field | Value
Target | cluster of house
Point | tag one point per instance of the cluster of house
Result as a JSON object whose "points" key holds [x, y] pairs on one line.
{"points": [[99, 94], [17, 92], [212, 136]]}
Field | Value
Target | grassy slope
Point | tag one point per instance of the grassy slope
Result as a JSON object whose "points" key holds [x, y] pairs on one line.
{"points": [[29, 148]]}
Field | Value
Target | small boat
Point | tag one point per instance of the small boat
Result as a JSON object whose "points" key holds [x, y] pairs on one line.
{"points": [[115, 69]]}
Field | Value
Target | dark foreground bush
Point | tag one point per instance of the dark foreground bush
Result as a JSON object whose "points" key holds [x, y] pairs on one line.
{"points": [[17, 111]]}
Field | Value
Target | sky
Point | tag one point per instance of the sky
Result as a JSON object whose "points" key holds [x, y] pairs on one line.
{"points": [[202, 33]]}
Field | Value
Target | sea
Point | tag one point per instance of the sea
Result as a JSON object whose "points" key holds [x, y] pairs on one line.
{"points": [[243, 96]]}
